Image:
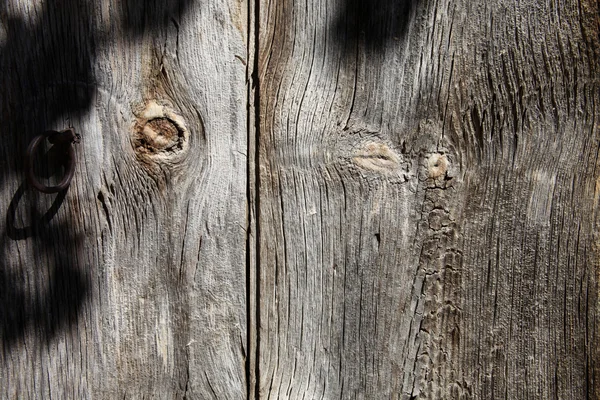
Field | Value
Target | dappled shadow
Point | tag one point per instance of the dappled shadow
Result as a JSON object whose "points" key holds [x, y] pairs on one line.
{"points": [[374, 23], [47, 67], [140, 15], [53, 301]]}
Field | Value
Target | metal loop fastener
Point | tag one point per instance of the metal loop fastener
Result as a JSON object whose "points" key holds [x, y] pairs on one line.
{"points": [[63, 141]]}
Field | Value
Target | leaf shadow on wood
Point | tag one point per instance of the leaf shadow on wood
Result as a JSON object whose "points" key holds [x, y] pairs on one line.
{"points": [[50, 307], [374, 23], [47, 65], [139, 15]]}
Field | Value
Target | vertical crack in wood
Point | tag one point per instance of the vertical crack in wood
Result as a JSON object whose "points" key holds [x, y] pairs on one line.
{"points": [[253, 190]]}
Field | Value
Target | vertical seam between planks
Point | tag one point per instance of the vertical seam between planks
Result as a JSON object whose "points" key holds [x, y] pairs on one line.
{"points": [[249, 209], [249, 205], [253, 199], [256, 84]]}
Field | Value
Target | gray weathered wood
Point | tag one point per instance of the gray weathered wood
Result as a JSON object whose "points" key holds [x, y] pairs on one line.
{"points": [[428, 194], [322, 200], [136, 288]]}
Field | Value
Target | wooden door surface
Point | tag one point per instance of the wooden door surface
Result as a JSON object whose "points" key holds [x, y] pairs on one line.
{"points": [[136, 287], [427, 199], [339, 199]]}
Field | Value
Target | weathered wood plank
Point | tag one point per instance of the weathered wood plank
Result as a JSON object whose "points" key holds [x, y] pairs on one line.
{"points": [[426, 200], [136, 288], [428, 195]]}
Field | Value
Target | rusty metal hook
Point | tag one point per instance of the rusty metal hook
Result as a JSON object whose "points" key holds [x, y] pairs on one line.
{"points": [[63, 140]]}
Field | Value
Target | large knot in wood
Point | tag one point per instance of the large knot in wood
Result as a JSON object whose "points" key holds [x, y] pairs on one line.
{"points": [[159, 132]]}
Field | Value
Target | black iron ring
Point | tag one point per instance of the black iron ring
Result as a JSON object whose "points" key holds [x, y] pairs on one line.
{"points": [[64, 140]]}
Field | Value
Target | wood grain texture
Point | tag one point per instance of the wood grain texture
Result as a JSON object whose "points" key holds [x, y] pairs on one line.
{"points": [[407, 190], [428, 195], [136, 288]]}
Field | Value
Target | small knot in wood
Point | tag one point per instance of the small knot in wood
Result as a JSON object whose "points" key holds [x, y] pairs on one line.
{"points": [[437, 165], [376, 157]]}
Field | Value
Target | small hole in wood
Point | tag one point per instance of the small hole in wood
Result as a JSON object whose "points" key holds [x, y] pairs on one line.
{"points": [[437, 165]]}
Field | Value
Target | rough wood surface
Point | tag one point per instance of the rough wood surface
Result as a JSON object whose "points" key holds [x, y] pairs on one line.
{"points": [[328, 199], [428, 197], [136, 287]]}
